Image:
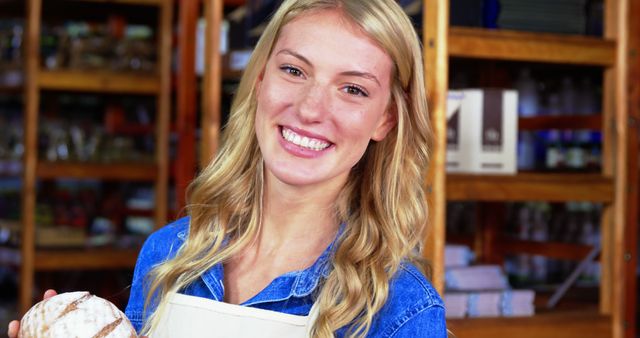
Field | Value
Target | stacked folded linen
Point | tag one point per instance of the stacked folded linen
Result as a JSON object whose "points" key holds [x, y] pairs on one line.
{"points": [[456, 304], [485, 304], [518, 303], [480, 290], [505, 303], [457, 255], [476, 278]]}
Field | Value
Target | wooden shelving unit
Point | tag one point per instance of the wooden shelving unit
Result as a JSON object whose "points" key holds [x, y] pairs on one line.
{"points": [[100, 82], [576, 324], [609, 186], [564, 122], [128, 172], [76, 258], [157, 84], [85, 259], [531, 47], [530, 187]]}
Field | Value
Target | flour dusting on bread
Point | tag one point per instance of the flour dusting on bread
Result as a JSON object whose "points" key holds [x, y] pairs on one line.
{"points": [[75, 314]]}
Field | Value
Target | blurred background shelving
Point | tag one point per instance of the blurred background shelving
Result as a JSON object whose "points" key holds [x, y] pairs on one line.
{"points": [[160, 114]]}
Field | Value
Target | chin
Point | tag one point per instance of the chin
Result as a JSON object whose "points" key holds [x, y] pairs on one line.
{"points": [[296, 179]]}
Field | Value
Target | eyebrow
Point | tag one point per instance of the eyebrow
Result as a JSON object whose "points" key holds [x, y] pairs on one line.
{"points": [[365, 75], [296, 55], [362, 74]]}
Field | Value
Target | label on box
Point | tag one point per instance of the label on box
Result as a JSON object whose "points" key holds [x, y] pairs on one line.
{"points": [[482, 129]]}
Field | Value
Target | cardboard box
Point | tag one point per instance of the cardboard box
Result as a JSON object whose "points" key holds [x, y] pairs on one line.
{"points": [[482, 130]]}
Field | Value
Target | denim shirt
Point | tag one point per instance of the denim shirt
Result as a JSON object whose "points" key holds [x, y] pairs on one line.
{"points": [[413, 307]]}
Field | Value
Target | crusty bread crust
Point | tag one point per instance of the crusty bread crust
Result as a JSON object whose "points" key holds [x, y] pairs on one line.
{"points": [[75, 314]]}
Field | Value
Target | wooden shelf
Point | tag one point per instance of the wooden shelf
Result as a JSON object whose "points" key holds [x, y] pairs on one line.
{"points": [[99, 81], [137, 172], [565, 122], [578, 324], [557, 250], [74, 259], [530, 187], [532, 47], [85, 259]]}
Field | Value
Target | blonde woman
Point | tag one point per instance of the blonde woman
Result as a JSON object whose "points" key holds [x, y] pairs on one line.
{"points": [[314, 209]]}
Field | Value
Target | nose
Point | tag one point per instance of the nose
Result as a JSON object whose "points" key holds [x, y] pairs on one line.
{"points": [[313, 103]]}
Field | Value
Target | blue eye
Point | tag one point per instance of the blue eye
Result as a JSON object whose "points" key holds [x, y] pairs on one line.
{"points": [[291, 70], [355, 90]]}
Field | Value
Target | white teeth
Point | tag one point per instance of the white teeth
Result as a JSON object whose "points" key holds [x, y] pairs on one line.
{"points": [[303, 141]]}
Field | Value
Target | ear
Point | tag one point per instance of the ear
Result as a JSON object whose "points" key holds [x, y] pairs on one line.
{"points": [[388, 120]]}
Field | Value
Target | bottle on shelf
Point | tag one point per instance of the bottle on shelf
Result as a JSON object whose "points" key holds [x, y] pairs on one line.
{"points": [[522, 267], [554, 155], [576, 155], [568, 96], [587, 97], [594, 151], [528, 96], [539, 233]]}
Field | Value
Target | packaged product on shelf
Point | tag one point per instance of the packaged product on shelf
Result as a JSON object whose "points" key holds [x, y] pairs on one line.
{"points": [[482, 128], [455, 157], [568, 17], [517, 303], [457, 255], [528, 96], [60, 237], [456, 304], [484, 304], [475, 278], [11, 56], [503, 303]]}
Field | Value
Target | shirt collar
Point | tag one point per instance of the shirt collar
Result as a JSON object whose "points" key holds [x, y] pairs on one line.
{"points": [[299, 283]]}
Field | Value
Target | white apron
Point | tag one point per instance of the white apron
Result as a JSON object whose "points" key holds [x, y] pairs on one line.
{"points": [[190, 316]]}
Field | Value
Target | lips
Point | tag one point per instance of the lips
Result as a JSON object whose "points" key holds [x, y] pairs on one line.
{"points": [[303, 141]]}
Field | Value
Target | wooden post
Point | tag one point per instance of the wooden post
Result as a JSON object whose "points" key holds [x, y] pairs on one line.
{"points": [[185, 161], [32, 99], [633, 144], [615, 156], [163, 112], [212, 91], [436, 61]]}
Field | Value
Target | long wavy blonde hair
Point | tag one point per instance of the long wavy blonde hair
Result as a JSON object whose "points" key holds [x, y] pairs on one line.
{"points": [[383, 203]]}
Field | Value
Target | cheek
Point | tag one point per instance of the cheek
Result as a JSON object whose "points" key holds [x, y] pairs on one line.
{"points": [[274, 97], [360, 125]]}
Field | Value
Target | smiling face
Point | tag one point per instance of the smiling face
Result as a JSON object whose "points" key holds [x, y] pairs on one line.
{"points": [[322, 97]]}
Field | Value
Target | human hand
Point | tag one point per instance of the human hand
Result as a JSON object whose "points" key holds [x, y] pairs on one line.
{"points": [[14, 326]]}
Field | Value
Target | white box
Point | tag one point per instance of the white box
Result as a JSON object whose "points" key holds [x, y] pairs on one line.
{"points": [[456, 159], [482, 130]]}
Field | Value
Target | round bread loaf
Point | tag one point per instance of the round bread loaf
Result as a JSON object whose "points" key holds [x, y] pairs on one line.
{"points": [[75, 314]]}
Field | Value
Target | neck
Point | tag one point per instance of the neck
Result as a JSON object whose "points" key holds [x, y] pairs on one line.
{"points": [[301, 215]]}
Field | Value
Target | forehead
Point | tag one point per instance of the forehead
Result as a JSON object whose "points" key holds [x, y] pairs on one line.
{"points": [[328, 34]]}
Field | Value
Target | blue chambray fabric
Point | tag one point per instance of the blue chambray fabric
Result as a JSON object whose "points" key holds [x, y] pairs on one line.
{"points": [[413, 308]]}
